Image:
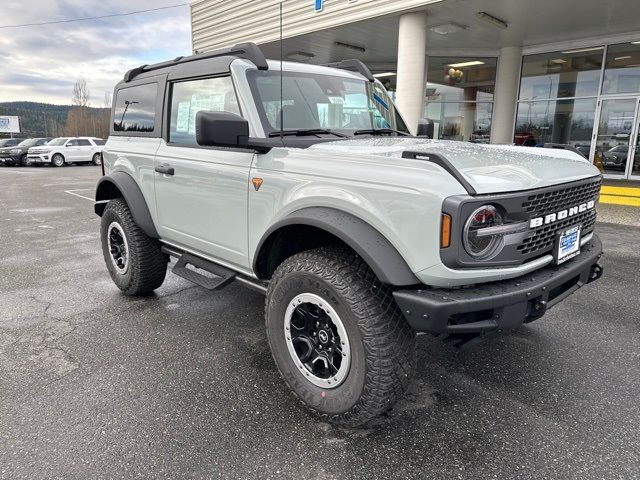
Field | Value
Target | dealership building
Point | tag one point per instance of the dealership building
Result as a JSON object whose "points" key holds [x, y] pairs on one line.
{"points": [[529, 72]]}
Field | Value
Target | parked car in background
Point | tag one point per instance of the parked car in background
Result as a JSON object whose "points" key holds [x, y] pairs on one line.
{"points": [[616, 158], [9, 142], [17, 155], [63, 150]]}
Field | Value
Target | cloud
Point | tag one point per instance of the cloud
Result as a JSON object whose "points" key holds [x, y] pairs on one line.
{"points": [[41, 63]]}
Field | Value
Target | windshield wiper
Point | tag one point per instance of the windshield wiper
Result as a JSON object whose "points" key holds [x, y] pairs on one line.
{"points": [[308, 131], [378, 131]]}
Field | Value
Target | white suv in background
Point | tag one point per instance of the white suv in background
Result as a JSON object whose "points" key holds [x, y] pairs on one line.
{"points": [[68, 150]]}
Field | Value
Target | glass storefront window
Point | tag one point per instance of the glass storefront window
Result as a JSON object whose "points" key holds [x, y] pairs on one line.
{"points": [[556, 121], [568, 73], [622, 69], [466, 121], [471, 79], [459, 97]]}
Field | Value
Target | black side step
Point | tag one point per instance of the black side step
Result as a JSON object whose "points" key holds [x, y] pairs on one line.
{"points": [[221, 275]]}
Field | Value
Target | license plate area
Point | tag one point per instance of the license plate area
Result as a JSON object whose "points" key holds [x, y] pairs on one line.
{"points": [[567, 244]]}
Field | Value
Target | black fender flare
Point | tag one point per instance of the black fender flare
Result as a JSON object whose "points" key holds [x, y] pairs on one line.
{"points": [[383, 258], [121, 184]]}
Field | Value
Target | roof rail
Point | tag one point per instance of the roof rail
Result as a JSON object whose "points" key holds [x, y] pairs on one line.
{"points": [[353, 65], [248, 51]]}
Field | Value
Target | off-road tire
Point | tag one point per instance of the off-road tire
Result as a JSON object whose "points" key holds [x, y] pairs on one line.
{"points": [[57, 156], [381, 341], [96, 159], [147, 266]]}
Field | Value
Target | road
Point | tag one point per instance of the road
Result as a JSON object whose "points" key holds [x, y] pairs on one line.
{"points": [[181, 384]]}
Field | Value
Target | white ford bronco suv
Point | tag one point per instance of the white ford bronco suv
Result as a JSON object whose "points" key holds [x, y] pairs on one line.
{"points": [[304, 183]]}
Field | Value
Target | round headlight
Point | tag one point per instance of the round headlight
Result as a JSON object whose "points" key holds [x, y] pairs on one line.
{"points": [[478, 243]]}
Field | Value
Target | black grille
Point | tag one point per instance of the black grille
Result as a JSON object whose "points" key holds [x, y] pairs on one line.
{"points": [[538, 205], [556, 200]]}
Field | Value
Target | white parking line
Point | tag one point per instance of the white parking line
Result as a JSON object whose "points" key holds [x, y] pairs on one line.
{"points": [[20, 171], [73, 192]]}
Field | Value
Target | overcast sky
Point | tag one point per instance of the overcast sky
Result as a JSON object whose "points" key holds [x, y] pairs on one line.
{"points": [[41, 63]]}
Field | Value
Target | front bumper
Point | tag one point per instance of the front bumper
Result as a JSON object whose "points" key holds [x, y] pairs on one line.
{"points": [[10, 159], [468, 313], [38, 158]]}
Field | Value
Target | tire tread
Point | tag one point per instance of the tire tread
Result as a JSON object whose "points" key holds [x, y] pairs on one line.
{"points": [[148, 263], [388, 339]]}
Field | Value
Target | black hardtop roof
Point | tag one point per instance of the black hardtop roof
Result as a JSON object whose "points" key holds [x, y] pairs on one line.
{"points": [[220, 60], [249, 51]]}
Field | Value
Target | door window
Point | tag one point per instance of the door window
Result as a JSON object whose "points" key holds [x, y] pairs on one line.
{"points": [[72, 143], [84, 143], [190, 97]]}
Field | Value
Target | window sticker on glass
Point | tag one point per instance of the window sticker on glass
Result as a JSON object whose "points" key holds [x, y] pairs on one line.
{"points": [[207, 102], [182, 123], [380, 101]]}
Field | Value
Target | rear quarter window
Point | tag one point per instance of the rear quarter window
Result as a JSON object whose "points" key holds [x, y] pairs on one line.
{"points": [[135, 109]]}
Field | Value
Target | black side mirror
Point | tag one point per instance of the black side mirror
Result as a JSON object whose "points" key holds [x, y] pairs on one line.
{"points": [[425, 128], [221, 129]]}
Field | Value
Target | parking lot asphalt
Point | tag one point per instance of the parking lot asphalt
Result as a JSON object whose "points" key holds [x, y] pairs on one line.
{"points": [[181, 383]]}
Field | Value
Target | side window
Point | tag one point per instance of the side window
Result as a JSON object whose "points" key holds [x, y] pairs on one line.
{"points": [[136, 109], [72, 143], [190, 97], [98, 141], [84, 143]]}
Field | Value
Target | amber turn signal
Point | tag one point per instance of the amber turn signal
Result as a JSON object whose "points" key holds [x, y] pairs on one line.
{"points": [[445, 231]]}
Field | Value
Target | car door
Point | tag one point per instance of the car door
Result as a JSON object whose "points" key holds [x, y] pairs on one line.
{"points": [[71, 151], [201, 192], [85, 150]]}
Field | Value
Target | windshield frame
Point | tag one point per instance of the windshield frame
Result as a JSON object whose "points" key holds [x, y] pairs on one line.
{"points": [[270, 130]]}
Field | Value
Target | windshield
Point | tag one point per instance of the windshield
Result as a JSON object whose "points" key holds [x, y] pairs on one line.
{"points": [[322, 102], [30, 142], [57, 141]]}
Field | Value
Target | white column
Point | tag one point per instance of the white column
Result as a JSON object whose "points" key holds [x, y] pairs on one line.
{"points": [[412, 50], [506, 95]]}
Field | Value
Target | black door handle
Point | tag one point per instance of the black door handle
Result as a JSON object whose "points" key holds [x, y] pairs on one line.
{"points": [[165, 169]]}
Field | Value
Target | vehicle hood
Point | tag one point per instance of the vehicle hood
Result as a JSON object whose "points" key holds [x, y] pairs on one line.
{"points": [[487, 168], [41, 149]]}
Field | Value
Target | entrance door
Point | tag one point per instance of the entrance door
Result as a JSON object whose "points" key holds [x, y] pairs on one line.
{"points": [[616, 140]]}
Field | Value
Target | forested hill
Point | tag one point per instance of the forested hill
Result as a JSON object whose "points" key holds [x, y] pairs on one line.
{"points": [[43, 119]]}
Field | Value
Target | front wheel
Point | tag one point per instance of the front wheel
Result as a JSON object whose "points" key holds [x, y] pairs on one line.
{"points": [[97, 159], [57, 160], [134, 260], [24, 160], [337, 336]]}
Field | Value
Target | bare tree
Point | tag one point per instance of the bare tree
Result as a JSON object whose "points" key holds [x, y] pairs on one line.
{"points": [[81, 93], [107, 99]]}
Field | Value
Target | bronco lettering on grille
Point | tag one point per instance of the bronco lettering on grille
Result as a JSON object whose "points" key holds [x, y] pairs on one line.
{"points": [[561, 215]]}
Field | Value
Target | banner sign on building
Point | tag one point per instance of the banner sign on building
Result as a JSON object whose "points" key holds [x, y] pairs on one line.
{"points": [[9, 125]]}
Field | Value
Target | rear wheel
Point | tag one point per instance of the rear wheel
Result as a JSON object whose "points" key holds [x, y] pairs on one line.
{"points": [[97, 159], [337, 336], [57, 160], [134, 260]]}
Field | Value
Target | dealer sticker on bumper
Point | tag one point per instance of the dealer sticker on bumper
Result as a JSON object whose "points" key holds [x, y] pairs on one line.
{"points": [[568, 245]]}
